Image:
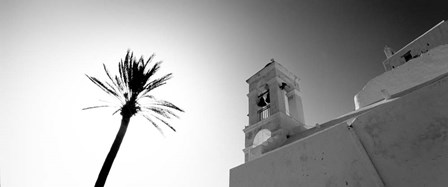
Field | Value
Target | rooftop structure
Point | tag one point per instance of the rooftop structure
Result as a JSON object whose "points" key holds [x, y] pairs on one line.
{"points": [[436, 36], [416, 63]]}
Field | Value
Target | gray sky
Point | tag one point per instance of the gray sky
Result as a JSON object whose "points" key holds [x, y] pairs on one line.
{"points": [[212, 47]]}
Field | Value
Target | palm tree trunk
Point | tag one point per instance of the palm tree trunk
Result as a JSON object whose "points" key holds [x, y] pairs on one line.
{"points": [[113, 151]]}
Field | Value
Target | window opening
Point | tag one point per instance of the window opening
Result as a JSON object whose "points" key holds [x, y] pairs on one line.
{"points": [[407, 56]]}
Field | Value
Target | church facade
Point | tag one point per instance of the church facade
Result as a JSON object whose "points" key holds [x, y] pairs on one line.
{"points": [[397, 136]]}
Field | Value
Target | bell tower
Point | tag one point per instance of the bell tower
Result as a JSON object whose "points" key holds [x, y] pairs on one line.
{"points": [[275, 108]]}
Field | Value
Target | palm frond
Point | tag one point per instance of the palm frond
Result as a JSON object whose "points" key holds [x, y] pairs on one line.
{"points": [[166, 123], [148, 96], [158, 82], [169, 105], [116, 111], [154, 124], [154, 68], [120, 85], [93, 107], [154, 84], [121, 82], [157, 111], [116, 84], [102, 86], [162, 112]]}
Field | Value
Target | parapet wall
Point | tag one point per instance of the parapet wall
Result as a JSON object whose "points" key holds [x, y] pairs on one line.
{"points": [[438, 35], [405, 78]]}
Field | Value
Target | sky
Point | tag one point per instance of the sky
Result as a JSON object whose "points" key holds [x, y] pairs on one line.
{"points": [[212, 47]]}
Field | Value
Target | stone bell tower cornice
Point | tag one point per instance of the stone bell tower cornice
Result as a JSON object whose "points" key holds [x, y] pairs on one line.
{"points": [[275, 69]]}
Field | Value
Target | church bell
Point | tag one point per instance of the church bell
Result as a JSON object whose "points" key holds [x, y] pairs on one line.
{"points": [[263, 100]]}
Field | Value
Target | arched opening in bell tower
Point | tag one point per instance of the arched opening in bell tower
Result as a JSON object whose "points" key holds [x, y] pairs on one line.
{"points": [[261, 137], [263, 102]]}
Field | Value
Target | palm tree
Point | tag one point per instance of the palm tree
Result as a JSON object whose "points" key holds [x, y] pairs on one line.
{"points": [[132, 88]]}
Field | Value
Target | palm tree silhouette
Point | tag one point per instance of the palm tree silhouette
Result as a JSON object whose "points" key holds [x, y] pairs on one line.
{"points": [[132, 88]]}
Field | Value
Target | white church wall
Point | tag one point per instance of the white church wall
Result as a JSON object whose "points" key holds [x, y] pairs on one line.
{"points": [[331, 157], [407, 139]]}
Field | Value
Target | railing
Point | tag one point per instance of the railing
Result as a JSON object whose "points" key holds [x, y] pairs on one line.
{"points": [[264, 112]]}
